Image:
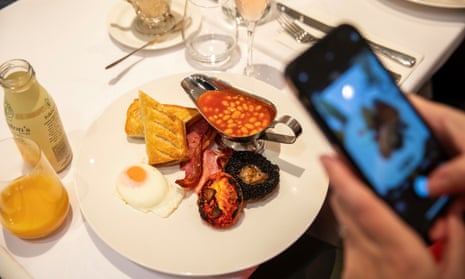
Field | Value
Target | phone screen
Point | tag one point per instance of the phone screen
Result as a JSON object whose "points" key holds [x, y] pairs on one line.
{"points": [[363, 111]]}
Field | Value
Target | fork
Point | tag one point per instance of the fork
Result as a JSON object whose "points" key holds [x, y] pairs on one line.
{"points": [[302, 36], [293, 29]]}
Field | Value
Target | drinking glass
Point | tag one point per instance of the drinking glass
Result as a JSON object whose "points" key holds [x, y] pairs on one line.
{"points": [[33, 201], [251, 11], [152, 16], [231, 12], [211, 39]]}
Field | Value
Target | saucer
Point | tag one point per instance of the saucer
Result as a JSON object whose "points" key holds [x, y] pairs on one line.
{"points": [[120, 26]]}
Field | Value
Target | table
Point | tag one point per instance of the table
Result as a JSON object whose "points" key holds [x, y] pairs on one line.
{"points": [[68, 45]]}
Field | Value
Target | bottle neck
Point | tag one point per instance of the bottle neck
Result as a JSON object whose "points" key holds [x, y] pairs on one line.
{"points": [[17, 76]]}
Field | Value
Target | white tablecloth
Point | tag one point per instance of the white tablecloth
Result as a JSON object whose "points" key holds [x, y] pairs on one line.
{"points": [[68, 45]]}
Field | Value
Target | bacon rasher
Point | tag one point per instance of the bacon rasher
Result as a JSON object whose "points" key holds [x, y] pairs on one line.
{"points": [[200, 136]]}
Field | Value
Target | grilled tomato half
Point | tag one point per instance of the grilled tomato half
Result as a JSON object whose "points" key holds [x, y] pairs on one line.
{"points": [[220, 200]]}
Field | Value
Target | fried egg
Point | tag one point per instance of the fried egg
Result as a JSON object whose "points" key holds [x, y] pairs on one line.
{"points": [[146, 189]]}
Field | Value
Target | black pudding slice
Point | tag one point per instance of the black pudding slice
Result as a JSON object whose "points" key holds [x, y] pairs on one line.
{"points": [[256, 175]]}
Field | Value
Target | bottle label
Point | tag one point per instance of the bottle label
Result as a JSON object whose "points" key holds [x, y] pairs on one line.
{"points": [[44, 126]]}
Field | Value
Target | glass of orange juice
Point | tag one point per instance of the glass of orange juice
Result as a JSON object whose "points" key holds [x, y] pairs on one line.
{"points": [[33, 201]]}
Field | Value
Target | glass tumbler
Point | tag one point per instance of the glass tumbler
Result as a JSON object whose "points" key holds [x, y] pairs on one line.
{"points": [[33, 201], [153, 16], [212, 36]]}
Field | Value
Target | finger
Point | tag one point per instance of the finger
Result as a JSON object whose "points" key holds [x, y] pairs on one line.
{"points": [[348, 230], [452, 264], [358, 207], [371, 258], [358, 263], [446, 122], [436, 114], [357, 245], [449, 178], [439, 230], [359, 252], [458, 207]]}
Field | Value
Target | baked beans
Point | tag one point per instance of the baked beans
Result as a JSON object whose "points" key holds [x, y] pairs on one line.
{"points": [[235, 114]]}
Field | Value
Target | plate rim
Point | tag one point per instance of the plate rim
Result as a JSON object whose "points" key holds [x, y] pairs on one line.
{"points": [[436, 4]]}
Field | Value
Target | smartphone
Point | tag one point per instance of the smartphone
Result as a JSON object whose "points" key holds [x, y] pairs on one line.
{"points": [[363, 113]]}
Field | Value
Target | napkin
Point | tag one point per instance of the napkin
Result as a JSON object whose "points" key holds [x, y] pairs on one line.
{"points": [[10, 268], [272, 40]]}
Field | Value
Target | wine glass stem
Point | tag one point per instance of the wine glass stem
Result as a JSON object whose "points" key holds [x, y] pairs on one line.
{"points": [[250, 37]]}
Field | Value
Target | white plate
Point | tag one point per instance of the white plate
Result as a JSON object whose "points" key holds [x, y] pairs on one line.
{"points": [[452, 4], [182, 244], [120, 26]]}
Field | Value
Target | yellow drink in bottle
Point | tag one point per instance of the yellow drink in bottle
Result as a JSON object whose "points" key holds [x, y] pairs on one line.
{"points": [[32, 113]]}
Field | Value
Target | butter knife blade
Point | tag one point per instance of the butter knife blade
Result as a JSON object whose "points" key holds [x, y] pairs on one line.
{"points": [[399, 57], [323, 27]]}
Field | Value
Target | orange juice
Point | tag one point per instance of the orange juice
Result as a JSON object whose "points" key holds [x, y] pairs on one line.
{"points": [[34, 205]]}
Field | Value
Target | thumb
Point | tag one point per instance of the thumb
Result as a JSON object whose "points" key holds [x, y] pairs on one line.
{"points": [[448, 178], [452, 262]]}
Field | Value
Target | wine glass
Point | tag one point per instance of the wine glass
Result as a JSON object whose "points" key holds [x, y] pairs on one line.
{"points": [[251, 11]]}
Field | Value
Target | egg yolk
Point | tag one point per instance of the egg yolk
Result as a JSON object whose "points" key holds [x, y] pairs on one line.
{"points": [[136, 174]]}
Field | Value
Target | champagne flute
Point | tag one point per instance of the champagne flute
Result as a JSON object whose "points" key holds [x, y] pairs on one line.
{"points": [[251, 11]]}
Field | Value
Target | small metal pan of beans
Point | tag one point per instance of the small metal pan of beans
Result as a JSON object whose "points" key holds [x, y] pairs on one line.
{"points": [[242, 119]]}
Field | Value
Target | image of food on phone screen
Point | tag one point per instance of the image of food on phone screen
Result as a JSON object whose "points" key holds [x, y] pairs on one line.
{"points": [[383, 136]]}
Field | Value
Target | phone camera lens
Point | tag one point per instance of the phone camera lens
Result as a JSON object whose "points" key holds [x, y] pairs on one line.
{"points": [[303, 77], [354, 37], [329, 56]]}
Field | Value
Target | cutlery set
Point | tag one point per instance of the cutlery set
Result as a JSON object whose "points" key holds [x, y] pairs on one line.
{"points": [[286, 20], [297, 32], [397, 56], [302, 36]]}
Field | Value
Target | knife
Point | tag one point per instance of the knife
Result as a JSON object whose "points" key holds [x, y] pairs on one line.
{"points": [[397, 56]]}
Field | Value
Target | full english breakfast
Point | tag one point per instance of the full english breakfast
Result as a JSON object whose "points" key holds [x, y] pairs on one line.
{"points": [[224, 179]]}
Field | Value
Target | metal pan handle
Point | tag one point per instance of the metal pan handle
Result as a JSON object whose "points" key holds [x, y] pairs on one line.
{"points": [[293, 126]]}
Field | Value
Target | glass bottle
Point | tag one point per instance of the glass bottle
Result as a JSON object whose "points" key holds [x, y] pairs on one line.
{"points": [[31, 112]]}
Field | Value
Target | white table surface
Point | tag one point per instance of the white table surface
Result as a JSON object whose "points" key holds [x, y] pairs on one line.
{"points": [[68, 45]]}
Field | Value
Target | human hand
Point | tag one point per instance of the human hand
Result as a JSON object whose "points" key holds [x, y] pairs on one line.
{"points": [[449, 127], [377, 244], [448, 179]]}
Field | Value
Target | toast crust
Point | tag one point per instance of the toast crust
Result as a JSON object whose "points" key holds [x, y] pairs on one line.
{"points": [[135, 128], [165, 133]]}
